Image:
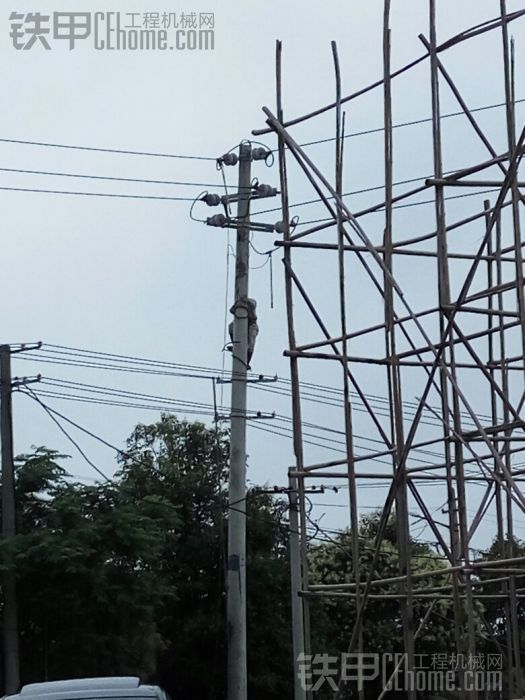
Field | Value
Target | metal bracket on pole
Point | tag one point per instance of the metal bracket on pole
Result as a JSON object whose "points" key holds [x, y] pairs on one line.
{"points": [[23, 381], [23, 347], [288, 490], [256, 416], [223, 221], [261, 379]]}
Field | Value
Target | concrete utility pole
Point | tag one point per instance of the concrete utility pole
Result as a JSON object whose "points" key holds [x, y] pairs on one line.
{"points": [[296, 586], [236, 579], [10, 627]]}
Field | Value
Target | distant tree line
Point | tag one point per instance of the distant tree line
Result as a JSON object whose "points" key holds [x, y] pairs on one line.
{"points": [[128, 576]]}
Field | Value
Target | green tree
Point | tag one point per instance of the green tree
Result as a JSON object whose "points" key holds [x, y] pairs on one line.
{"points": [[129, 576], [497, 610], [188, 464], [333, 618], [270, 662], [89, 588]]}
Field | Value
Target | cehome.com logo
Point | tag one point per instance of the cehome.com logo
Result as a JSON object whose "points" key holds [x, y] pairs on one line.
{"points": [[114, 31]]}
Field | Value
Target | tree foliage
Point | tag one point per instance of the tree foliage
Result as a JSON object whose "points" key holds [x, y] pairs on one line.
{"points": [[332, 562], [128, 576]]}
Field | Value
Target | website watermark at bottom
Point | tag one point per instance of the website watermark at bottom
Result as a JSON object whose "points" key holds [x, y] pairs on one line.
{"points": [[113, 31], [433, 673]]}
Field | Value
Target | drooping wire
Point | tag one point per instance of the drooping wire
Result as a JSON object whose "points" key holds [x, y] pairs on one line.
{"points": [[415, 122], [109, 178], [88, 358], [220, 166], [106, 150], [97, 194], [122, 453], [50, 412], [198, 198], [211, 158], [155, 402], [401, 206]]}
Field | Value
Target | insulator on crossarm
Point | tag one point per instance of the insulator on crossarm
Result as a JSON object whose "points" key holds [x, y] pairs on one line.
{"points": [[212, 200], [279, 227], [266, 190], [217, 220], [229, 159], [260, 153]]}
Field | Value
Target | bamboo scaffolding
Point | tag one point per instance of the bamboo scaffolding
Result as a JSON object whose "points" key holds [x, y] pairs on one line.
{"points": [[473, 336]]}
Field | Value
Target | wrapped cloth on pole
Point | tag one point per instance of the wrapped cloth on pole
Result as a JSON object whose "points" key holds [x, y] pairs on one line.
{"points": [[253, 329]]}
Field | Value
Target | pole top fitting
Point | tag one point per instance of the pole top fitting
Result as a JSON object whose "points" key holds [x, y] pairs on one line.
{"points": [[245, 151]]}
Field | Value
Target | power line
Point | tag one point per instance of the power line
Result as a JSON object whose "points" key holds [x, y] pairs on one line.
{"points": [[280, 431], [381, 208], [76, 425], [65, 362], [318, 396], [171, 405], [327, 533], [50, 412], [106, 177], [135, 396], [375, 397], [277, 431], [67, 350], [151, 402], [98, 194], [214, 159], [122, 453], [415, 122], [123, 404], [324, 401], [323, 428], [53, 413], [107, 150], [363, 190], [375, 188], [93, 388]]}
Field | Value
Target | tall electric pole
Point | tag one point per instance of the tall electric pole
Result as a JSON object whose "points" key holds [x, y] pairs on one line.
{"points": [[243, 332], [10, 612], [236, 578], [296, 586]]}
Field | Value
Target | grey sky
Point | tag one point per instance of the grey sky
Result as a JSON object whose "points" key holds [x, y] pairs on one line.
{"points": [[137, 277]]}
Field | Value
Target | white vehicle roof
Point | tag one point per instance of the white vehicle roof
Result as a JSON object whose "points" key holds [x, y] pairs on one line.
{"points": [[117, 688]]}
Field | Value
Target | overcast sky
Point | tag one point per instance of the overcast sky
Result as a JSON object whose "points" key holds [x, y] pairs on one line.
{"points": [[138, 277]]}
